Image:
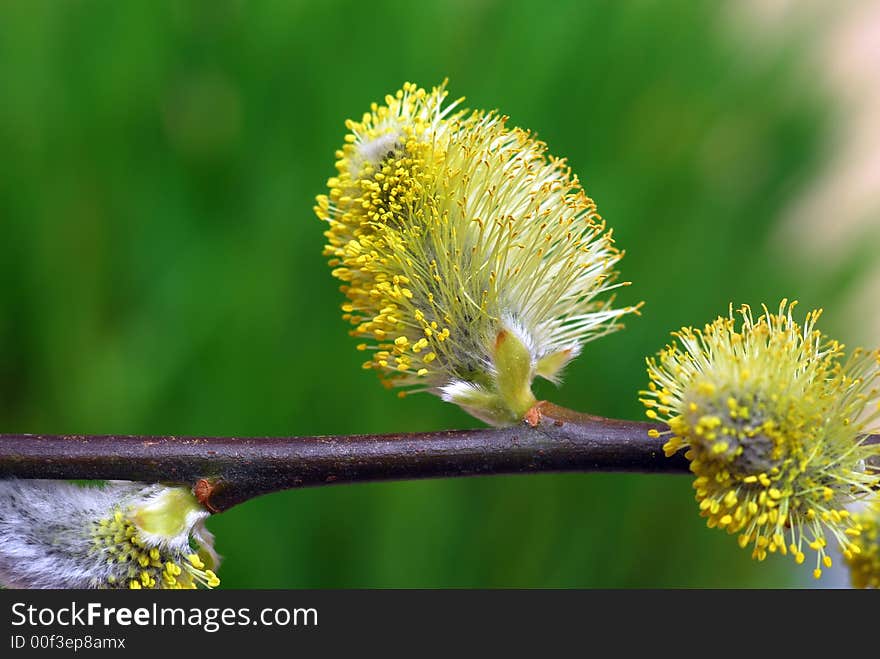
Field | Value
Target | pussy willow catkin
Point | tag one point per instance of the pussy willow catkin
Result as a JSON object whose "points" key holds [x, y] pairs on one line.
{"points": [[864, 565], [472, 261], [773, 416], [123, 535]]}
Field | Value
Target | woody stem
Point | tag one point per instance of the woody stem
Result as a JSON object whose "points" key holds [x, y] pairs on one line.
{"points": [[226, 471]]}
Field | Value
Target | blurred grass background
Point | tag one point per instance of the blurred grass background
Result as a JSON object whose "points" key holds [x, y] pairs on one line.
{"points": [[161, 268]]}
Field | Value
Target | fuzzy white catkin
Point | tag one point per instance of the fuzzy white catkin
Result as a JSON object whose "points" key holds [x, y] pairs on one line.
{"points": [[55, 534]]}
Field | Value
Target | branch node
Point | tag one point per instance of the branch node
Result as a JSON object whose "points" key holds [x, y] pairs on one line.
{"points": [[535, 414], [203, 489]]}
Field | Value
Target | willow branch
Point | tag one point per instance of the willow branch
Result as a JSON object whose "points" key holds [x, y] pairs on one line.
{"points": [[240, 468], [230, 470]]}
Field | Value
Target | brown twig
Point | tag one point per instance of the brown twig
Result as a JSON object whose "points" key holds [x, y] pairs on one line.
{"points": [[226, 471]]}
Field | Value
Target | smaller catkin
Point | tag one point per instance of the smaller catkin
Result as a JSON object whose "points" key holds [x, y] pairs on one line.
{"points": [[55, 534], [774, 419]]}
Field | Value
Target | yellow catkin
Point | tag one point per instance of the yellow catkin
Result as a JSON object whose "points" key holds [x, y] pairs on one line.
{"points": [[123, 543], [772, 415], [148, 539], [863, 557], [449, 229]]}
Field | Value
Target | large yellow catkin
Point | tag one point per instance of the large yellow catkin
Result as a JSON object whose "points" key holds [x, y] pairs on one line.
{"points": [[472, 261]]}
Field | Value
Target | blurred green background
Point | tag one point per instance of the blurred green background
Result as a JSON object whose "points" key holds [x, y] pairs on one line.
{"points": [[161, 267]]}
